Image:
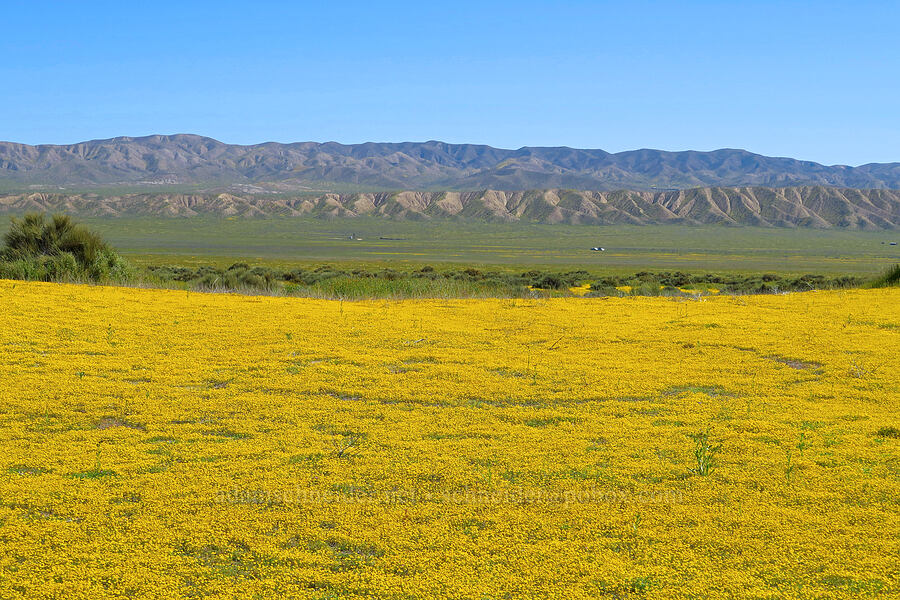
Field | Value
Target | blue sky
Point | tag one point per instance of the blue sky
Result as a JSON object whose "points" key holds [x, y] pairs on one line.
{"points": [[817, 81]]}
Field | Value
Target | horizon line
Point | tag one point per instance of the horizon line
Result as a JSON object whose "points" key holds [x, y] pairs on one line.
{"points": [[527, 147]]}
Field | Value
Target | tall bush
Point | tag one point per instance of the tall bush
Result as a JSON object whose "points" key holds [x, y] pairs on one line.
{"points": [[56, 248]]}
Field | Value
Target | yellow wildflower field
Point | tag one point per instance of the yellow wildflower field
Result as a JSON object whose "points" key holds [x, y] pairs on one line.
{"points": [[164, 444]]}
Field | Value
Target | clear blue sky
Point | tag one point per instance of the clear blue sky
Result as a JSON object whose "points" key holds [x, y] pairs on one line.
{"points": [[817, 81]]}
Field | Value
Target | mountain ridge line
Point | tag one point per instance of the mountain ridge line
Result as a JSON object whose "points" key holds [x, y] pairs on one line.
{"points": [[432, 165]]}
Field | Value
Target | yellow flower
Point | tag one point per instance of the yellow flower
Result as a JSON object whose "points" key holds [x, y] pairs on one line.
{"points": [[163, 444]]}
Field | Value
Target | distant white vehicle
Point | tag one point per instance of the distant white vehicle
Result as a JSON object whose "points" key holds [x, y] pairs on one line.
{"points": [[598, 249]]}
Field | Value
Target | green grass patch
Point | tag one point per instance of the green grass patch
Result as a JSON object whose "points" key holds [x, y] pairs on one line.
{"points": [[289, 241], [547, 421], [227, 433], [713, 391], [852, 585], [26, 470], [888, 432], [92, 474], [162, 439]]}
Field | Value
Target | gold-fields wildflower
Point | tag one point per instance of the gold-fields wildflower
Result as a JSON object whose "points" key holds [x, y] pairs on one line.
{"points": [[160, 444]]}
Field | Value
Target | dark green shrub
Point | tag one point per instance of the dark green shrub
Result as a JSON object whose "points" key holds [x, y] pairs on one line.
{"points": [[599, 291], [237, 277], [668, 290], [607, 282], [58, 249], [645, 289], [891, 277], [549, 282], [675, 280]]}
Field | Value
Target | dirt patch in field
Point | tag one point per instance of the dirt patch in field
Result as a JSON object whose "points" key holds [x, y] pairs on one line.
{"points": [[795, 363], [713, 391], [110, 422]]}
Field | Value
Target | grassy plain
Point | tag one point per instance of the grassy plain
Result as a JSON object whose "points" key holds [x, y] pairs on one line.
{"points": [[292, 241], [163, 444]]}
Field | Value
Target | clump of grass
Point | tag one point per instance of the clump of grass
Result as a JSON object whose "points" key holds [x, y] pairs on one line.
{"points": [[26, 470], [162, 439], [888, 432], [705, 452], [789, 464], [92, 474], [545, 421], [889, 278], [38, 248]]}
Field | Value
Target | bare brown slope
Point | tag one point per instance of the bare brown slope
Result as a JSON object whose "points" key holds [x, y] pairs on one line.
{"points": [[821, 207]]}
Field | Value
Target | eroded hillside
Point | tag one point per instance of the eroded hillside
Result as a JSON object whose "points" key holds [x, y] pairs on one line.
{"points": [[817, 206]]}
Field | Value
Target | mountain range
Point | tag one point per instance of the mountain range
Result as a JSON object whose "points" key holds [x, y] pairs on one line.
{"points": [[811, 206], [160, 160]]}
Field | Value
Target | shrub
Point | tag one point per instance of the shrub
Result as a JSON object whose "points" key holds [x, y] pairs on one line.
{"points": [[58, 249], [598, 291], [607, 282], [549, 282], [889, 278], [669, 290], [645, 289]]}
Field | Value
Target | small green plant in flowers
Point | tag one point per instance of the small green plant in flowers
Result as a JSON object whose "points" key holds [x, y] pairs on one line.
{"points": [[705, 452], [789, 464]]}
